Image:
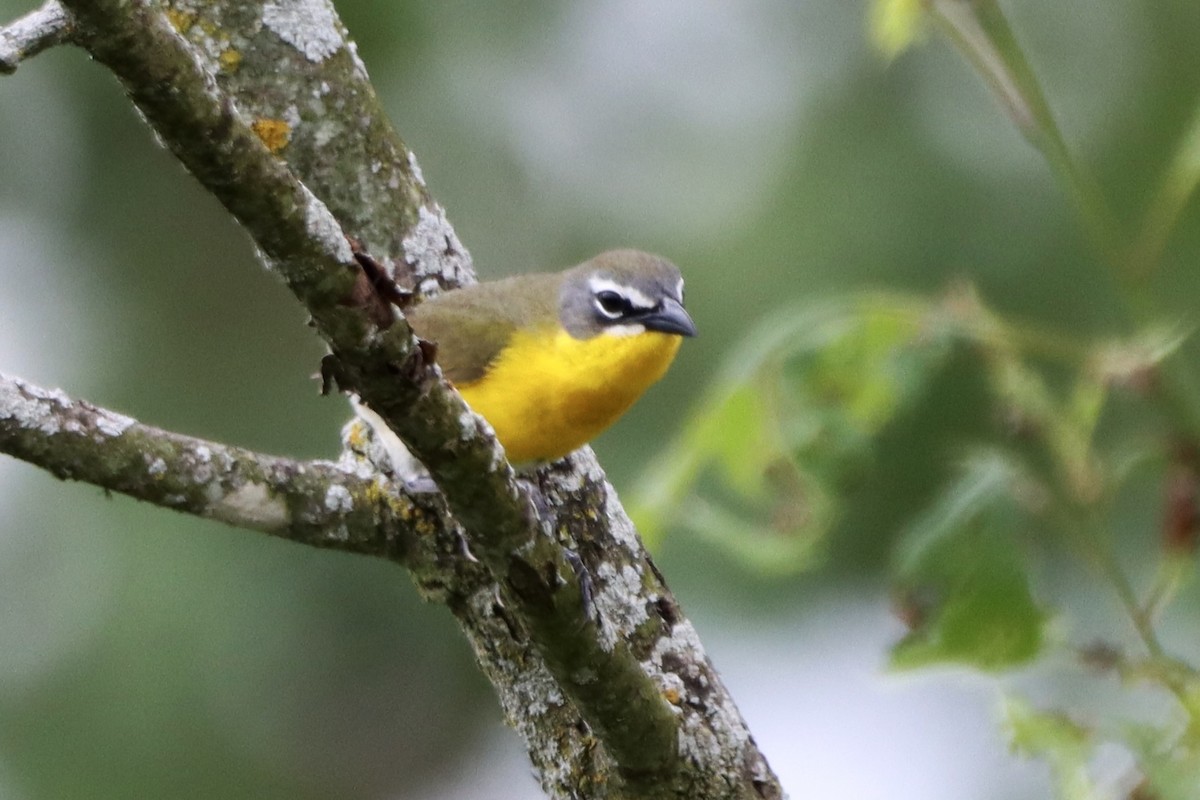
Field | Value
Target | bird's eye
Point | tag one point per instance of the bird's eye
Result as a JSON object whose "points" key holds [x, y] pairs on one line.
{"points": [[612, 304]]}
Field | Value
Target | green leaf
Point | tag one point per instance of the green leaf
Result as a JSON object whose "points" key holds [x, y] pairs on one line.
{"points": [[962, 579], [737, 437], [1039, 733], [1064, 744], [895, 25]]}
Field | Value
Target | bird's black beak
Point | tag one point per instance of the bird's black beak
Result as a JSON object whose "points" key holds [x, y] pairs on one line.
{"points": [[669, 317]]}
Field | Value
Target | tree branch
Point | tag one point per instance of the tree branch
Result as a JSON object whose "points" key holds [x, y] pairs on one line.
{"points": [[314, 502], [31, 34], [636, 677]]}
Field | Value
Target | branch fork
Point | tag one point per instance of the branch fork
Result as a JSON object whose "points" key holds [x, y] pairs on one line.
{"points": [[621, 705]]}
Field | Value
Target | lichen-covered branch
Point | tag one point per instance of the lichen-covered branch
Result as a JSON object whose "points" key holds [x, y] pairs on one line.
{"points": [[203, 128], [621, 704], [314, 502], [24, 38]]}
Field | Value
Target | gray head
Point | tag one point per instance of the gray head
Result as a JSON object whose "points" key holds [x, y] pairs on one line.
{"points": [[623, 293]]}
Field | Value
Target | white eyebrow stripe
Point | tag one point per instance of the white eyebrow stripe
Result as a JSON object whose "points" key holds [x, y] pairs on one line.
{"points": [[634, 296]]}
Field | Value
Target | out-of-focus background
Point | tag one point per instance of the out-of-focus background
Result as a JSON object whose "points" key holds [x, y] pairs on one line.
{"points": [[761, 145]]}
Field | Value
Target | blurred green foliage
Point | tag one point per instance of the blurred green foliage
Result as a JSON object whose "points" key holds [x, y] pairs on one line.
{"points": [[787, 427], [803, 402], [1003, 436]]}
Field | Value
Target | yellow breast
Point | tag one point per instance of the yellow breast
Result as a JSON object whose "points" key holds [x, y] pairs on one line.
{"points": [[549, 393]]}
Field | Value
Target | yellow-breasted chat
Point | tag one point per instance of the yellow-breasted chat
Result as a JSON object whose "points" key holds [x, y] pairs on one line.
{"points": [[552, 359]]}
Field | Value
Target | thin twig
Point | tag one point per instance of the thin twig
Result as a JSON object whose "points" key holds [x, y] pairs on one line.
{"points": [[1177, 185], [29, 35]]}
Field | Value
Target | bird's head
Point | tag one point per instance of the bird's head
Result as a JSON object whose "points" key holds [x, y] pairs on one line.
{"points": [[623, 293]]}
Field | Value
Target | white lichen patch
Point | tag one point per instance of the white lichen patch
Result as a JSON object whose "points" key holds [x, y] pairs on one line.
{"points": [[708, 738], [327, 130], [310, 26], [322, 226], [29, 413], [225, 462], [354, 464], [568, 483], [201, 39], [473, 425], [697, 744], [352, 460], [620, 602], [56, 396], [415, 168], [359, 66], [717, 729], [157, 468], [468, 423], [432, 248], [338, 499], [533, 694], [30, 407], [682, 644], [202, 472], [619, 523], [251, 506], [111, 424], [533, 690], [381, 446]]}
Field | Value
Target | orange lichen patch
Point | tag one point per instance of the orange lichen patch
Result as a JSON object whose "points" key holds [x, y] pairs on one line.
{"points": [[357, 437], [376, 496], [672, 696], [275, 133], [180, 20], [230, 60]]}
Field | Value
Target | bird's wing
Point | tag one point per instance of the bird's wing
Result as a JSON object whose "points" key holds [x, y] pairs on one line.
{"points": [[472, 325]]}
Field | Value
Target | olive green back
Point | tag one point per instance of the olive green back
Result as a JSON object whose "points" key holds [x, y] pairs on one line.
{"points": [[471, 325]]}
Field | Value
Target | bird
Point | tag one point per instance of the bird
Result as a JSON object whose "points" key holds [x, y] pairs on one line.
{"points": [[552, 359]]}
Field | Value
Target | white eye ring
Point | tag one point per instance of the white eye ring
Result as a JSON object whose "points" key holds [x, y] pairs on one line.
{"points": [[611, 304]]}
